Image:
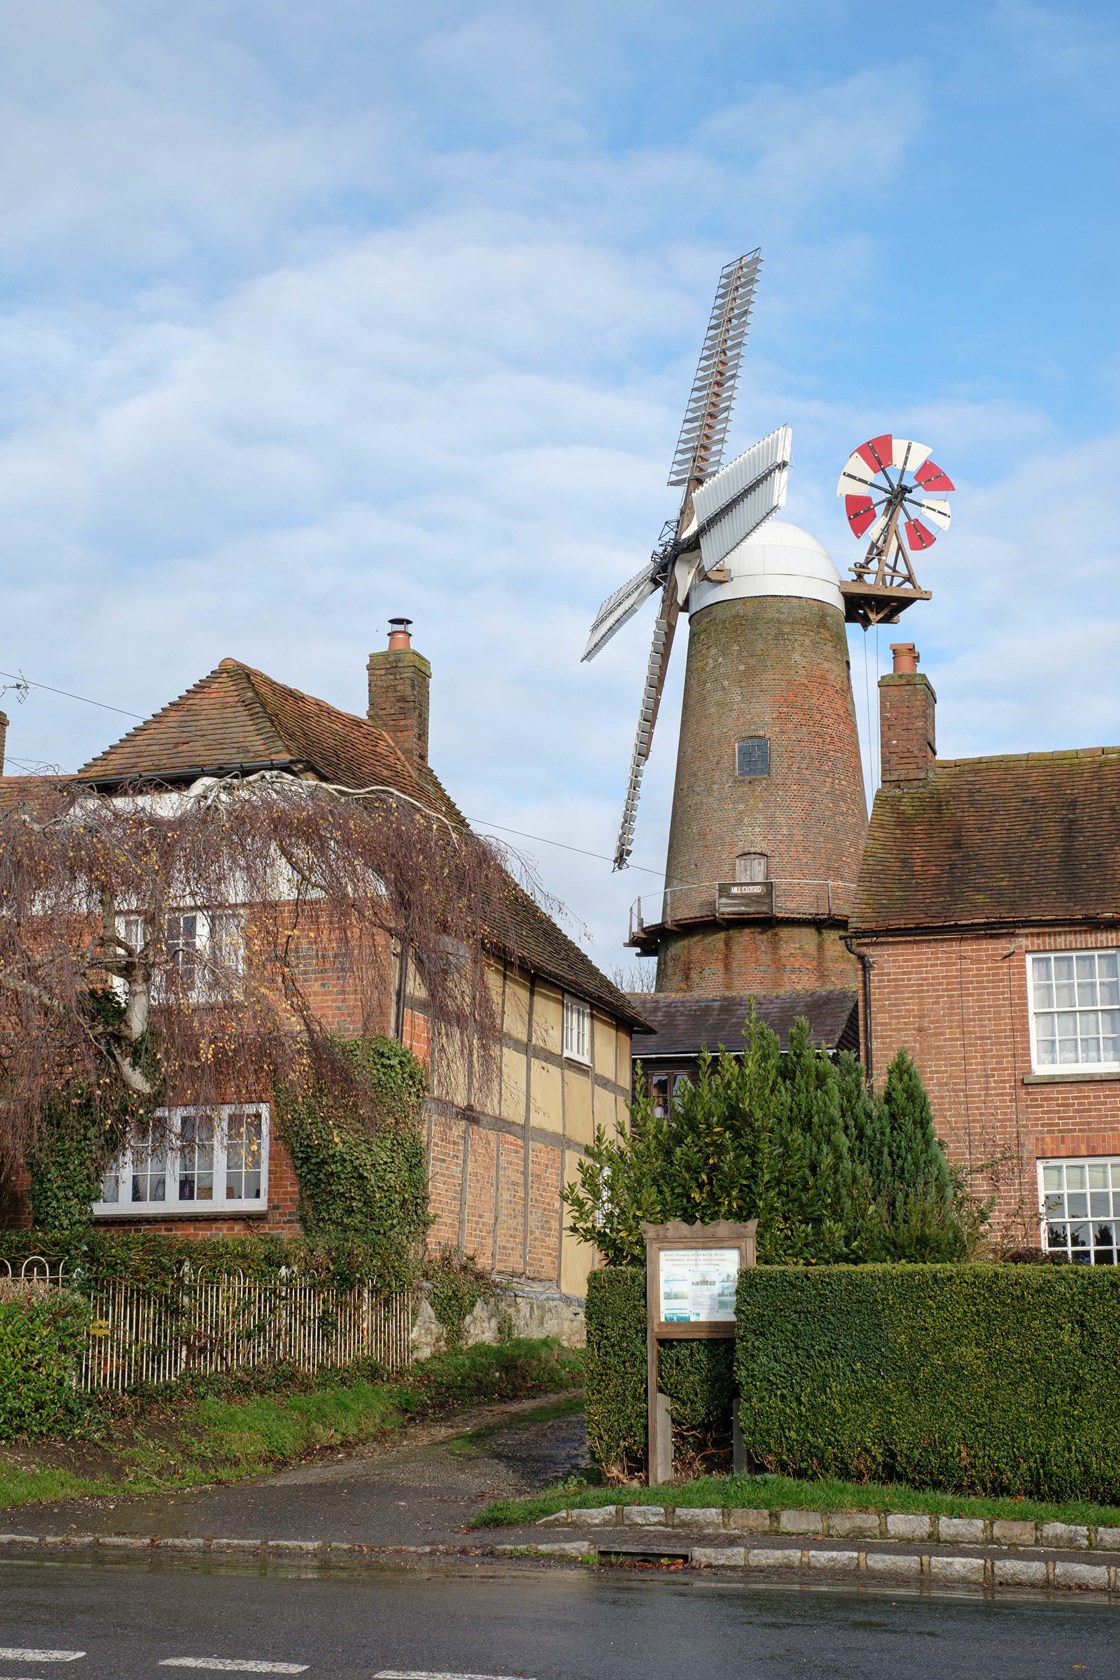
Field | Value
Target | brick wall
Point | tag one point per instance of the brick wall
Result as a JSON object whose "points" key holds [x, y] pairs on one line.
{"points": [[959, 1004], [775, 667], [501, 1151]]}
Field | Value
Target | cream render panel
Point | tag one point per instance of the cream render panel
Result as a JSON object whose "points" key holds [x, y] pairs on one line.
{"points": [[548, 1018], [514, 1074], [578, 1122], [516, 1023], [546, 1096]]}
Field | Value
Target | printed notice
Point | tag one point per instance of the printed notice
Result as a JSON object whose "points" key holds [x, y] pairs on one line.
{"points": [[697, 1285]]}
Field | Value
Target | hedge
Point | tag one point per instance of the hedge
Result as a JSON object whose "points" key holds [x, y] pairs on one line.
{"points": [[153, 1260], [974, 1379], [42, 1334], [697, 1377]]}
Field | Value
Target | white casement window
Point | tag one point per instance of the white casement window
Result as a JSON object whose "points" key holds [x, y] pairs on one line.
{"points": [[192, 1160], [1080, 1203], [202, 951], [1075, 1010], [577, 1029]]}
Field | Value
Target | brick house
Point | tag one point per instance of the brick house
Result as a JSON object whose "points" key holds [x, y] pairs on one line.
{"points": [[987, 921], [498, 1157]]}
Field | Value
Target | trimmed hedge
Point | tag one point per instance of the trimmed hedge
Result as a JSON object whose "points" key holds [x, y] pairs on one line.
{"points": [[42, 1334], [974, 1379], [697, 1376]]}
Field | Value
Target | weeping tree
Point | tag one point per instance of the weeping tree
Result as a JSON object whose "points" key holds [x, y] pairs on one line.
{"points": [[832, 1171], [165, 948]]}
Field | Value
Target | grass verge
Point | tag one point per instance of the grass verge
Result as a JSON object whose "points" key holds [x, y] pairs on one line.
{"points": [[776, 1493], [187, 1441]]}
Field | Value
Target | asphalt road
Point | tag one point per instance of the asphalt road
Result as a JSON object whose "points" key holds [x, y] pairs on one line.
{"points": [[85, 1623]]}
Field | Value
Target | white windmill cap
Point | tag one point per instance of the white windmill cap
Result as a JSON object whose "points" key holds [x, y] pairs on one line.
{"points": [[777, 559]]}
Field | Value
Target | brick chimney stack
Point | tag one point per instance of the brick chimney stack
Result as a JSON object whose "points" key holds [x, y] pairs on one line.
{"points": [[399, 680], [4, 722], [907, 744]]}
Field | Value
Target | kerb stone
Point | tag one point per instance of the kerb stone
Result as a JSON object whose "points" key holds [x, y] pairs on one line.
{"points": [[901, 1527], [862, 1524], [800, 1522], [966, 1531]]}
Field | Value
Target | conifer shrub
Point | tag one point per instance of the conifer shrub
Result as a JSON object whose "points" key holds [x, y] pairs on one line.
{"points": [[979, 1379], [833, 1173]]}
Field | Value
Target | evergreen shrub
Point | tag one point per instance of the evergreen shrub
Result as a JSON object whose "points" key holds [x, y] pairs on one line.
{"points": [[42, 1334], [980, 1379]]}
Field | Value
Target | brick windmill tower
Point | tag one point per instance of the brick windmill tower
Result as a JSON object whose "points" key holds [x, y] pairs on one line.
{"points": [[769, 808]]}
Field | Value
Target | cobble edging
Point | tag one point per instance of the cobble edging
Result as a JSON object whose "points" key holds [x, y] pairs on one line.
{"points": [[932, 1569], [846, 1525]]}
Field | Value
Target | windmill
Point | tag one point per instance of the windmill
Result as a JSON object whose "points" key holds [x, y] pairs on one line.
{"points": [[719, 510], [894, 495]]}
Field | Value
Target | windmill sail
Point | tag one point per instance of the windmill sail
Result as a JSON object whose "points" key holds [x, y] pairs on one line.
{"points": [[737, 500], [660, 648], [620, 607], [700, 445]]}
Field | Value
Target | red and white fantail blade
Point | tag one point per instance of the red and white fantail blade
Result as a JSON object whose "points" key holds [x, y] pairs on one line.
{"points": [[919, 536], [877, 452], [861, 513], [931, 477], [909, 456], [937, 512]]}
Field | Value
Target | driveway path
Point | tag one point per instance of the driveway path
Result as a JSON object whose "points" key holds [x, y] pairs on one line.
{"points": [[422, 1492]]}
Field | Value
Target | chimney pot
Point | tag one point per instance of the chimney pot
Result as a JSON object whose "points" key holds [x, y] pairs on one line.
{"points": [[399, 636], [906, 658]]}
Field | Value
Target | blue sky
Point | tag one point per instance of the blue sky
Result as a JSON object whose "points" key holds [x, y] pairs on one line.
{"points": [[314, 314]]}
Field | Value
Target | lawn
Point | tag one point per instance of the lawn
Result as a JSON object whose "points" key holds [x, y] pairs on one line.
{"points": [[776, 1493]]}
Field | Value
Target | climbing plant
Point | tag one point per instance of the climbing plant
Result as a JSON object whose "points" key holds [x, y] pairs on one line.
{"points": [[351, 1125]]}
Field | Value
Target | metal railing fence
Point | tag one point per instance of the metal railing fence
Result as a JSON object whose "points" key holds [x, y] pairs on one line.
{"points": [[218, 1323]]}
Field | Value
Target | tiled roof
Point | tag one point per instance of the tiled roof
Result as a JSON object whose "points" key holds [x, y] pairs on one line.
{"points": [[1030, 838], [684, 1025], [238, 717]]}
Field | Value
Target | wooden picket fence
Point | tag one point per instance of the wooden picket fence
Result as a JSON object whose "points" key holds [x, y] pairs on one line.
{"points": [[225, 1322]]}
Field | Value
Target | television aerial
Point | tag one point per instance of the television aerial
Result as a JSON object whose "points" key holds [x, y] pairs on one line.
{"points": [[893, 495], [719, 510]]}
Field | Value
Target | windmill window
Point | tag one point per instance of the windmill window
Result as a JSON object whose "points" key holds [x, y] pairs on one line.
{"points": [[752, 756], [752, 866]]}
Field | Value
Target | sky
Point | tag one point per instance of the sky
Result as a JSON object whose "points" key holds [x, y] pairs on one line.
{"points": [[312, 314]]}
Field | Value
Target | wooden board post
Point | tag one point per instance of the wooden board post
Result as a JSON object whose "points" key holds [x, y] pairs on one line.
{"points": [[691, 1275]]}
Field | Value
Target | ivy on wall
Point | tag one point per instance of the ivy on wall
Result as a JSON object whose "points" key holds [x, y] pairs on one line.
{"points": [[353, 1132]]}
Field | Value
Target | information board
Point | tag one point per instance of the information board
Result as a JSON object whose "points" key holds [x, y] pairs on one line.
{"points": [[697, 1285]]}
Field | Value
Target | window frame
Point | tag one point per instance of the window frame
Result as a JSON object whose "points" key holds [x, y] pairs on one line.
{"points": [[1075, 1255], [752, 775], [217, 929], [171, 1207], [577, 1009], [1059, 1068]]}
